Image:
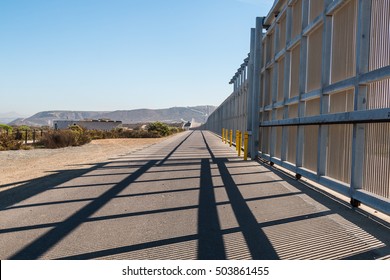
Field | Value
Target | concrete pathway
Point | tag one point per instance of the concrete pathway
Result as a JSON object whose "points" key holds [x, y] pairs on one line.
{"points": [[189, 197]]}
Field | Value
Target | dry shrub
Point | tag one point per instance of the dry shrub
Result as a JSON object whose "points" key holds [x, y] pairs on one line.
{"points": [[160, 128], [58, 139], [7, 142], [64, 138]]}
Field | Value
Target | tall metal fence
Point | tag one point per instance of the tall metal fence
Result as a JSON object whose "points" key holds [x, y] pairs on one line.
{"points": [[233, 112], [317, 93]]}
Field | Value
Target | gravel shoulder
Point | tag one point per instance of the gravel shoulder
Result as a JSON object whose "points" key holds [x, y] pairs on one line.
{"points": [[19, 166]]}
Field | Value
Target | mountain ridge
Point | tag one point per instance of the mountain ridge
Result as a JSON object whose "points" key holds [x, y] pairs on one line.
{"points": [[169, 115]]}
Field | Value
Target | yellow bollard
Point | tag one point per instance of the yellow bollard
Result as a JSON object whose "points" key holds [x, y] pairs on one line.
{"points": [[223, 133], [231, 137], [246, 146], [239, 143], [237, 140]]}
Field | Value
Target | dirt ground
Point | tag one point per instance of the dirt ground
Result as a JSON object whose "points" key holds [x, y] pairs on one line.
{"points": [[22, 165]]}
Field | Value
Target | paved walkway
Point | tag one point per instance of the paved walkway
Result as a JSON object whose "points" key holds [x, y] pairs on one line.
{"points": [[189, 197]]}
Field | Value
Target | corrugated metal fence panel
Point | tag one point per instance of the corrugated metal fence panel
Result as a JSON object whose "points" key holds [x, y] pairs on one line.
{"points": [[265, 140], [295, 62], [378, 94], [279, 132], [311, 136], [377, 160], [297, 18], [282, 33], [380, 34], [292, 135], [278, 145], [316, 7], [376, 171], [314, 59], [268, 89], [291, 144], [270, 48], [280, 96], [339, 153], [310, 147], [344, 42]]}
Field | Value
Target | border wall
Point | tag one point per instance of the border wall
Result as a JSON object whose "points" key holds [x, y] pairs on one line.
{"points": [[314, 95]]}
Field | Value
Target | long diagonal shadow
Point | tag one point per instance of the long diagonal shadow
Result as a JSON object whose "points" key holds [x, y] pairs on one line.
{"points": [[258, 244], [36, 186], [42, 244], [210, 243], [45, 242]]}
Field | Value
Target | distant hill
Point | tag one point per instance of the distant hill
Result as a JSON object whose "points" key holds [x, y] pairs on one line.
{"points": [[175, 114], [47, 117], [8, 117], [7, 120]]}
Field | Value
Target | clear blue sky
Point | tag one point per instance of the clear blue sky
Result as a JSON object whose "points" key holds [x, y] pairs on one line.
{"points": [[121, 54]]}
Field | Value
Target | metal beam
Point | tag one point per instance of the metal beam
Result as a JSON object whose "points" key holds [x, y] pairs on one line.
{"points": [[364, 116]]}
